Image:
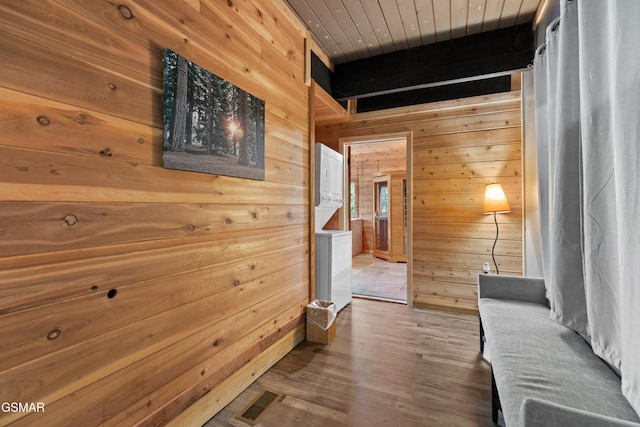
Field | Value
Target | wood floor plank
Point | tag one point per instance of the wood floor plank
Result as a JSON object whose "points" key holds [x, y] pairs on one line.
{"points": [[388, 366]]}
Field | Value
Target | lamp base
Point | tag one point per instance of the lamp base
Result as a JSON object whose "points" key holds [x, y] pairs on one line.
{"points": [[495, 219]]}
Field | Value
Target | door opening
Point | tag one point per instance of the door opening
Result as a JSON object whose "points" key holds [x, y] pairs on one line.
{"points": [[378, 212]]}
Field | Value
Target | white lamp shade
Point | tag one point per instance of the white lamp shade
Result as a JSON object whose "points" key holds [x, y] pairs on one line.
{"points": [[495, 200]]}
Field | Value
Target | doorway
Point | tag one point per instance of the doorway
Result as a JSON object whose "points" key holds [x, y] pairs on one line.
{"points": [[377, 183]]}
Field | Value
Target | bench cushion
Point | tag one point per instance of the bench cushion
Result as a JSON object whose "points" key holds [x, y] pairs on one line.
{"points": [[533, 356]]}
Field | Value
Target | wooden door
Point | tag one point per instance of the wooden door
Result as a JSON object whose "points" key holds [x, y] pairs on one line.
{"points": [[381, 216]]}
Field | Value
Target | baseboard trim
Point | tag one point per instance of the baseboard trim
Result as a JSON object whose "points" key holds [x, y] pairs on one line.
{"points": [[212, 403]]}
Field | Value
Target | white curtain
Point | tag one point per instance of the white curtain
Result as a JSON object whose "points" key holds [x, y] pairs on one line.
{"points": [[587, 82], [559, 168], [531, 248]]}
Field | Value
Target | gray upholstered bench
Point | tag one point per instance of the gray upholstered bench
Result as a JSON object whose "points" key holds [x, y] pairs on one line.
{"points": [[543, 374]]}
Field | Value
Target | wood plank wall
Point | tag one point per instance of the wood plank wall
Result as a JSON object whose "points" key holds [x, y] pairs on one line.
{"points": [[458, 147], [128, 291]]}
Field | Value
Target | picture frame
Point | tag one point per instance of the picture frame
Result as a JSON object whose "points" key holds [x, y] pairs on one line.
{"points": [[210, 125]]}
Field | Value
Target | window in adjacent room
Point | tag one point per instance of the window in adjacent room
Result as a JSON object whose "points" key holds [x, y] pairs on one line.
{"points": [[353, 200]]}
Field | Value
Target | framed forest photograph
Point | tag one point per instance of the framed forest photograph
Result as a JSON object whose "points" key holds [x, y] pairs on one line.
{"points": [[210, 125]]}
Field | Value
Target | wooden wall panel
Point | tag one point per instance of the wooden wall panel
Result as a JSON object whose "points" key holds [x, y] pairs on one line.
{"points": [[63, 226], [129, 292], [458, 147]]}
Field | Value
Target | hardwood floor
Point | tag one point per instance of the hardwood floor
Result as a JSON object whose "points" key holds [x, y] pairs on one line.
{"points": [[388, 366], [377, 278]]}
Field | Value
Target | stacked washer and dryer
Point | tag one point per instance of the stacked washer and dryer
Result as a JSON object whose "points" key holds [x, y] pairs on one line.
{"points": [[333, 247]]}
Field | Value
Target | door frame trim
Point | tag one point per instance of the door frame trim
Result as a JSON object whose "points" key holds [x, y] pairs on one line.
{"points": [[344, 217]]}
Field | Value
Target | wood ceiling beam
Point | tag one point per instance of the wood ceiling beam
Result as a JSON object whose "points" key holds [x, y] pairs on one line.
{"points": [[475, 57]]}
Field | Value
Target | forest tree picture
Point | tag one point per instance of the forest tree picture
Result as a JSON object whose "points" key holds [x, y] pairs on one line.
{"points": [[210, 125]]}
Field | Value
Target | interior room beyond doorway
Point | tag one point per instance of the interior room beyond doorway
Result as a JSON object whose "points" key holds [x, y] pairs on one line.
{"points": [[376, 278], [378, 217]]}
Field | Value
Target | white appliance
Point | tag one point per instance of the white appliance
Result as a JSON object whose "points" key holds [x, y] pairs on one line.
{"points": [[333, 247], [328, 184], [333, 267]]}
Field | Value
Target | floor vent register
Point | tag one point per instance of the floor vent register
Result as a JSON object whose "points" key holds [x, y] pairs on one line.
{"points": [[256, 409]]}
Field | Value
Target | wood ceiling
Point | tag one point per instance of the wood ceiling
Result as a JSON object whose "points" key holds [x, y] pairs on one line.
{"points": [[349, 30]]}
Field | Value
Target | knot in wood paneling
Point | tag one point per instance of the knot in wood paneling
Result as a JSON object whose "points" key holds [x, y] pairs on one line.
{"points": [[54, 334], [125, 12], [43, 120], [71, 220]]}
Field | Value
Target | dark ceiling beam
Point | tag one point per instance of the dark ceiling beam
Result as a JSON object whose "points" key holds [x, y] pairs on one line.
{"points": [[480, 56], [459, 89], [439, 83]]}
